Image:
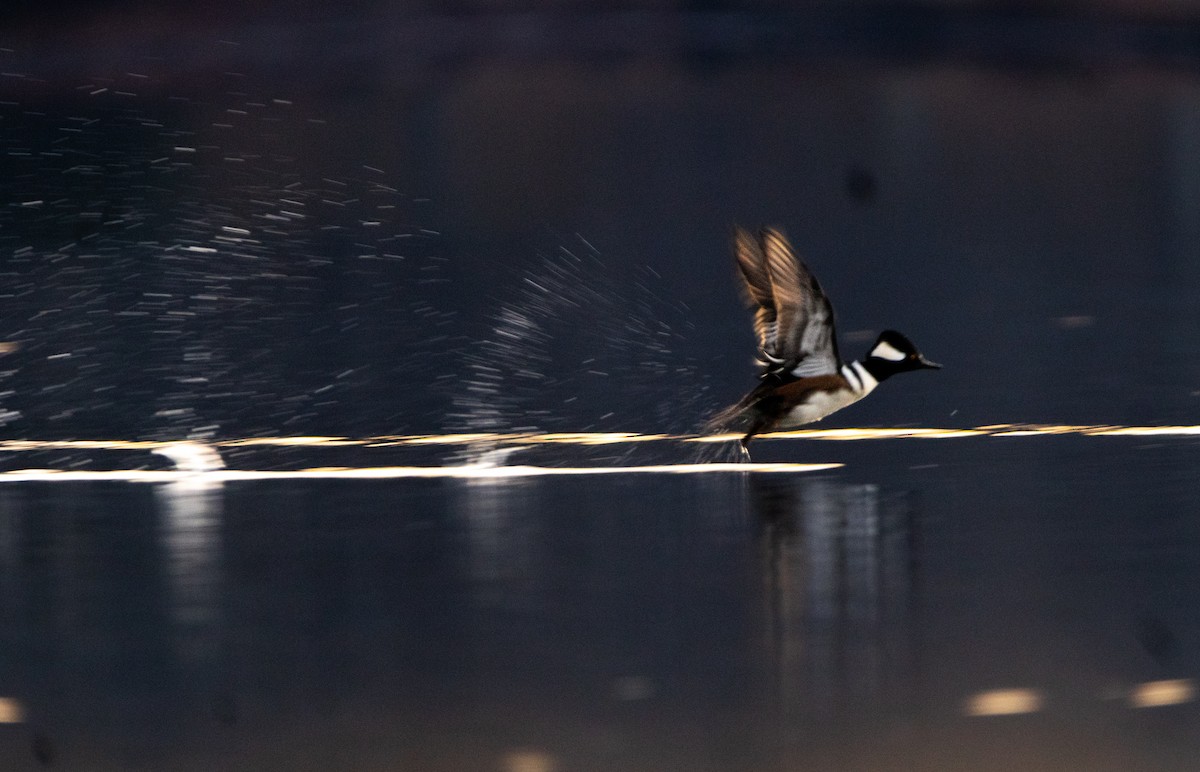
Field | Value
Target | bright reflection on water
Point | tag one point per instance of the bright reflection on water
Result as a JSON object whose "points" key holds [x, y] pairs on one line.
{"points": [[900, 612], [839, 581], [189, 532], [474, 455]]}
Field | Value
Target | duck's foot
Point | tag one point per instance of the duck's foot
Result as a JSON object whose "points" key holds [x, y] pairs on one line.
{"points": [[744, 444]]}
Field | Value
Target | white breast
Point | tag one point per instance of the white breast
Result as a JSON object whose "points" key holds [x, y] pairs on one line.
{"points": [[822, 403], [818, 406]]}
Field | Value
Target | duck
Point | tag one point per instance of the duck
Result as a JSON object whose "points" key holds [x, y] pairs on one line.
{"points": [[802, 377]]}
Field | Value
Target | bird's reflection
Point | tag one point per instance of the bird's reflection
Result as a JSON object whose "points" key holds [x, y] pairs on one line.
{"points": [[189, 534], [839, 575], [500, 540], [9, 535]]}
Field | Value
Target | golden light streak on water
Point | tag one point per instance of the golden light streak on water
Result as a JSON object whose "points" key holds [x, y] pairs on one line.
{"points": [[305, 442], [874, 434], [449, 439], [11, 711], [1017, 430], [1157, 694], [714, 438], [529, 760], [1004, 702], [1146, 431], [469, 472], [841, 434], [19, 445], [620, 438], [593, 438]]}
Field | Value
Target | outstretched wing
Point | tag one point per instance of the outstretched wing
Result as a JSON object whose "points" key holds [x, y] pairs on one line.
{"points": [[794, 320], [757, 283]]}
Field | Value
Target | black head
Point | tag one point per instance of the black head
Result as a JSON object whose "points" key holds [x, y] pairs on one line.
{"points": [[893, 353]]}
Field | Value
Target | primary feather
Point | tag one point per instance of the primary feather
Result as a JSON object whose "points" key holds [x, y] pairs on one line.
{"points": [[757, 283], [794, 320]]}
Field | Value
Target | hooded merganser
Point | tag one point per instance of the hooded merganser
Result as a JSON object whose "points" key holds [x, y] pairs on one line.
{"points": [[803, 378]]}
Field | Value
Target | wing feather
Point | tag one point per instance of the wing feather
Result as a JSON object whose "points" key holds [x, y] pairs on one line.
{"points": [[804, 339], [757, 283], [753, 266]]}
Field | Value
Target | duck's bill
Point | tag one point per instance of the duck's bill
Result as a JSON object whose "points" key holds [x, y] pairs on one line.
{"points": [[927, 364]]}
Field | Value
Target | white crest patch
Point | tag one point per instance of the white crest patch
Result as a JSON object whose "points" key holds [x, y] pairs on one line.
{"points": [[885, 350]]}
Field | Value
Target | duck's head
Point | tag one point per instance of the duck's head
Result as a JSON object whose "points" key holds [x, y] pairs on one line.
{"points": [[893, 353]]}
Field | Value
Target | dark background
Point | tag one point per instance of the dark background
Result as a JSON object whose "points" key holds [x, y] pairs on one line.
{"points": [[1013, 186], [232, 219]]}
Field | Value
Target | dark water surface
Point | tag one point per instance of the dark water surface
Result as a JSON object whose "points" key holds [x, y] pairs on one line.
{"points": [[836, 620], [366, 219]]}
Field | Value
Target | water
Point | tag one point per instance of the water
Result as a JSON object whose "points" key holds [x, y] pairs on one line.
{"points": [[316, 243], [838, 619]]}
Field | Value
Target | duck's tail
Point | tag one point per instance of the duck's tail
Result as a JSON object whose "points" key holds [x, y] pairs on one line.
{"points": [[729, 420], [744, 416], [742, 419]]}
